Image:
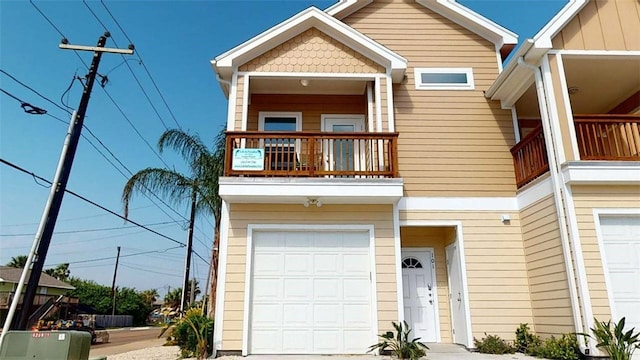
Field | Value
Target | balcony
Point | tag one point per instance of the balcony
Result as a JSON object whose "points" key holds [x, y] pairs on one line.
{"points": [[530, 157], [311, 154], [600, 137], [7, 296], [608, 137]]}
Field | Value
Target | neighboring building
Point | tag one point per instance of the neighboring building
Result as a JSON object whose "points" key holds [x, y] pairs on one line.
{"points": [[48, 287], [370, 178]]}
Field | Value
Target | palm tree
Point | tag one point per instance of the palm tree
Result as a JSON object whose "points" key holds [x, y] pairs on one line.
{"points": [[18, 261], [60, 272], [150, 296], [200, 186]]}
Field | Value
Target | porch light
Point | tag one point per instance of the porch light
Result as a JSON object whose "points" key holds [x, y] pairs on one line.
{"points": [[312, 201], [304, 82], [572, 90]]}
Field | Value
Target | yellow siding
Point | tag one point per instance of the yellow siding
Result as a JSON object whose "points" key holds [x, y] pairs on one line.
{"points": [[603, 25], [550, 300], [436, 238], [459, 128], [311, 106], [239, 103], [496, 269], [312, 51], [587, 198], [241, 215]]}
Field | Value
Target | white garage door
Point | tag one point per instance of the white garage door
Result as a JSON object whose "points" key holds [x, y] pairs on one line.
{"points": [[621, 238], [310, 293]]}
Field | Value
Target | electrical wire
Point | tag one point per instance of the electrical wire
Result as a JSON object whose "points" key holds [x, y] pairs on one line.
{"points": [[34, 91], [150, 271], [12, 165], [113, 257], [90, 230]]}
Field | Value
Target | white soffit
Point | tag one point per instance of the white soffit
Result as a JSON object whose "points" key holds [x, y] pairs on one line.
{"points": [[312, 17]]}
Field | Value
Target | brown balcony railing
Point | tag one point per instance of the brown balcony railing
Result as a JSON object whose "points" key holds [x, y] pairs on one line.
{"points": [[7, 296], [608, 137], [311, 154], [530, 157]]}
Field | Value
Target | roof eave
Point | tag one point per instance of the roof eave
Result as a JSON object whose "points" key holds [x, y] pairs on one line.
{"points": [[544, 37], [226, 63], [344, 8]]}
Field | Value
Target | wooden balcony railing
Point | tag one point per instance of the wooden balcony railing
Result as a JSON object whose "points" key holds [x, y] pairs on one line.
{"points": [[530, 157], [7, 296], [608, 137], [311, 154]]}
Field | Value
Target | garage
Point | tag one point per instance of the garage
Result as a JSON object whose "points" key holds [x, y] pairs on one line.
{"points": [[310, 293], [621, 240]]}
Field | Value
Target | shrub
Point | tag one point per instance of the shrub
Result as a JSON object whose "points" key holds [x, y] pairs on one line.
{"points": [[493, 344], [620, 345], [399, 344], [525, 340], [192, 334], [563, 348]]}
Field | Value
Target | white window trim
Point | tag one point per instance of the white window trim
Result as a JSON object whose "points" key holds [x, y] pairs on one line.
{"points": [[268, 114], [470, 85]]}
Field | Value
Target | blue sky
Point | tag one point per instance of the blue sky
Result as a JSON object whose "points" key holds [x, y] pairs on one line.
{"points": [[176, 40]]}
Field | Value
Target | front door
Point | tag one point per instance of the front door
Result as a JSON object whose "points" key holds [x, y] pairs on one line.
{"points": [[419, 293], [456, 295], [344, 154]]}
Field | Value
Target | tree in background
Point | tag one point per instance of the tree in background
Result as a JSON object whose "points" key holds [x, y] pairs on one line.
{"points": [[199, 186], [172, 299], [60, 272], [18, 261], [150, 296]]}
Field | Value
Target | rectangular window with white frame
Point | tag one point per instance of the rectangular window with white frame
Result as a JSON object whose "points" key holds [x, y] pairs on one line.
{"points": [[281, 151], [444, 78]]}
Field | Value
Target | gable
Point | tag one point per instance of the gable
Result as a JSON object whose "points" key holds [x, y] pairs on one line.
{"points": [[602, 25], [312, 51]]}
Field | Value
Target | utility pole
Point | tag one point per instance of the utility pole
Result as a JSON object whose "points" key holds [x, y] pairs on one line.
{"points": [[187, 261], [113, 284], [41, 242]]}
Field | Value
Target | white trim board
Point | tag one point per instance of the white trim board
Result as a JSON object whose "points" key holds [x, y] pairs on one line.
{"points": [[222, 277], [251, 228], [459, 203]]}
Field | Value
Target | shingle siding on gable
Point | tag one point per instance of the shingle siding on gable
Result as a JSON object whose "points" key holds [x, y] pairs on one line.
{"points": [[452, 143], [312, 51], [602, 25]]}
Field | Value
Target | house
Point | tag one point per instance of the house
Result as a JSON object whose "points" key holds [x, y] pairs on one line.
{"points": [[381, 170], [48, 288]]}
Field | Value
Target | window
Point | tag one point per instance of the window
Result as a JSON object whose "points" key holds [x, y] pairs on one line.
{"points": [[444, 78], [281, 121], [411, 263], [281, 151]]}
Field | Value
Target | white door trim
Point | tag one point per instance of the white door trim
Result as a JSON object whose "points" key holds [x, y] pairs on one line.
{"points": [[434, 281], [307, 227], [463, 265], [597, 214]]}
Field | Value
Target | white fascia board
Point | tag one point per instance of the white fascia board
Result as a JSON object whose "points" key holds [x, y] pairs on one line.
{"points": [[558, 22], [326, 190], [471, 20], [306, 19], [535, 191], [344, 8], [601, 172]]}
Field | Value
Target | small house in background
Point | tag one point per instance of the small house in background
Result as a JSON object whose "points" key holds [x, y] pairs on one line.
{"points": [[49, 292], [383, 164]]}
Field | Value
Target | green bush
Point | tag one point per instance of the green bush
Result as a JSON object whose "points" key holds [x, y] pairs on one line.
{"points": [[525, 340], [399, 344], [192, 333], [493, 344], [563, 348], [619, 344]]}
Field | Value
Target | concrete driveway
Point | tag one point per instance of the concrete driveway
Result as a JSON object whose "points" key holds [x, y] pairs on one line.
{"points": [[436, 352]]}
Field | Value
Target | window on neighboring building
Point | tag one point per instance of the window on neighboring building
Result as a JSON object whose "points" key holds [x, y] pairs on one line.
{"points": [[444, 78]]}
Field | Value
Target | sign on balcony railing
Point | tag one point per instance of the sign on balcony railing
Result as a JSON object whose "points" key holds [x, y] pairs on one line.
{"points": [[311, 154]]}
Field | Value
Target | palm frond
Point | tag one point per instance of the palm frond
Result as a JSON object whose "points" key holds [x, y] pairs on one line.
{"points": [[168, 184], [189, 146]]}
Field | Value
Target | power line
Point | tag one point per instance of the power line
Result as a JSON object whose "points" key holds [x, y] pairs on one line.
{"points": [[150, 271], [28, 108], [91, 202], [46, 18], [143, 65], [113, 257], [36, 92], [90, 230]]}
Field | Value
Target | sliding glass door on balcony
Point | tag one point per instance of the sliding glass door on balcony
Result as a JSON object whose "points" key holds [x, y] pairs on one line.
{"points": [[344, 154]]}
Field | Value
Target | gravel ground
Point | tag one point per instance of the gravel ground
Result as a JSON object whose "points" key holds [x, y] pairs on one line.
{"points": [[157, 353]]}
